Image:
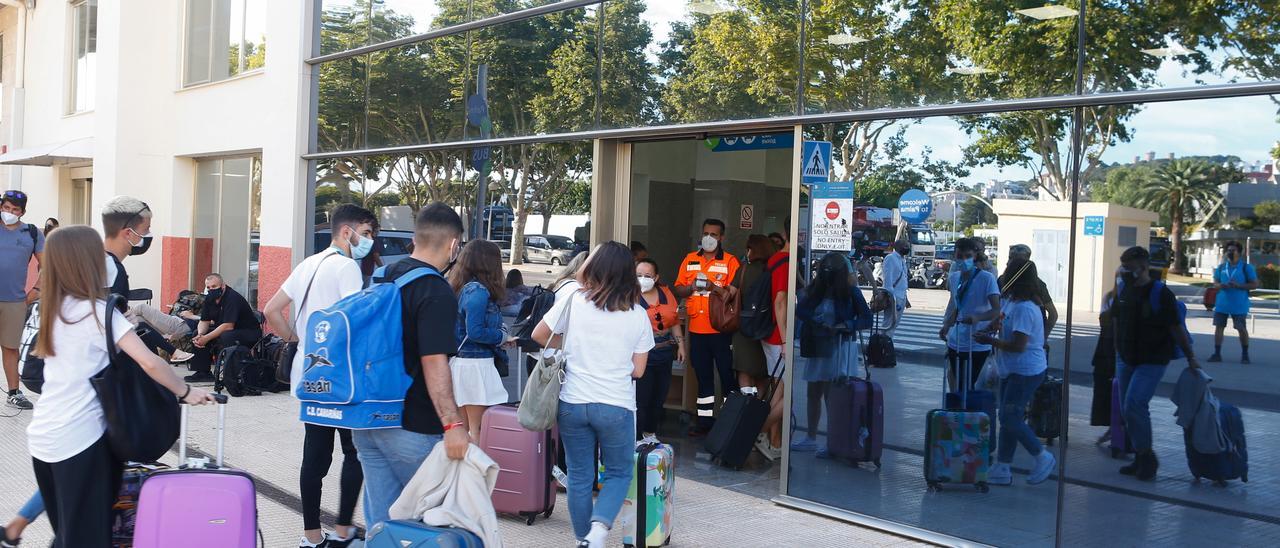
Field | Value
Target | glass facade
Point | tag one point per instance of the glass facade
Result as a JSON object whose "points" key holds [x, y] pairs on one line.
{"points": [[1159, 133]]}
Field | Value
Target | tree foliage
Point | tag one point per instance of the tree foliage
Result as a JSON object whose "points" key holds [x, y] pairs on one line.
{"points": [[1268, 212], [1185, 189]]}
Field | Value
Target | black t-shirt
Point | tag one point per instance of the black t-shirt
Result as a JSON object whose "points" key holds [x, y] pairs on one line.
{"points": [[1142, 334], [429, 312], [232, 308]]}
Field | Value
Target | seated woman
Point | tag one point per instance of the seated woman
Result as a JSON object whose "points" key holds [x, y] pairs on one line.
{"points": [[517, 292]]}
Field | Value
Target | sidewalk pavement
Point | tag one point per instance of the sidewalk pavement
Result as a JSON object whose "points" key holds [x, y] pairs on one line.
{"points": [[1102, 508], [265, 438]]}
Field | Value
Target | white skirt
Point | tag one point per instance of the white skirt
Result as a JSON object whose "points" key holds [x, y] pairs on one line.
{"points": [[476, 382]]}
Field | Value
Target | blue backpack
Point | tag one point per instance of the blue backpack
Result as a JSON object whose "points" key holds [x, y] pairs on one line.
{"points": [[1154, 299], [351, 380]]}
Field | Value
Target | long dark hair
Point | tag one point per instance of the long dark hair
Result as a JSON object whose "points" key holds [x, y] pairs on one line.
{"points": [[1024, 287], [480, 260], [609, 278], [832, 281]]}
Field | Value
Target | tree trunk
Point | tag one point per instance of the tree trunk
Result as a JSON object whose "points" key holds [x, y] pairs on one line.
{"points": [[546, 222], [522, 212], [1175, 238]]}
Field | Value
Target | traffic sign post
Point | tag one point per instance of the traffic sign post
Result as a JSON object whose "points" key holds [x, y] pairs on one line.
{"points": [[1095, 225], [816, 162]]}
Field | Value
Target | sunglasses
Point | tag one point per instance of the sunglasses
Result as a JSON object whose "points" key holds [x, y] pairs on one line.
{"points": [[132, 218], [15, 195]]}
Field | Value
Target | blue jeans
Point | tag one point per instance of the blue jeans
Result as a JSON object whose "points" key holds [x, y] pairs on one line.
{"points": [[1137, 386], [390, 457], [33, 508], [582, 426], [1016, 392]]}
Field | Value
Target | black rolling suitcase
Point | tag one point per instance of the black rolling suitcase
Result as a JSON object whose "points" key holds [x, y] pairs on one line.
{"points": [[741, 419]]}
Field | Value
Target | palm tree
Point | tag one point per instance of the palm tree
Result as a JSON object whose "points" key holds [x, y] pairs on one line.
{"points": [[1184, 189]]}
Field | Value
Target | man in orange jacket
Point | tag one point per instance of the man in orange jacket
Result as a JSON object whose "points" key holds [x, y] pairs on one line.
{"points": [[702, 272]]}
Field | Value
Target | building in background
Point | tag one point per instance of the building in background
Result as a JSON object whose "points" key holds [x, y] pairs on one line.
{"points": [[180, 103]]}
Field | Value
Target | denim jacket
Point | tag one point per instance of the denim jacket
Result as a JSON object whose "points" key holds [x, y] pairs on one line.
{"points": [[479, 322]]}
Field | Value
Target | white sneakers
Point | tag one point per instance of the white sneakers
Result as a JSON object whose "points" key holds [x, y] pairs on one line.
{"points": [[180, 356], [769, 451], [1000, 474], [1045, 463]]}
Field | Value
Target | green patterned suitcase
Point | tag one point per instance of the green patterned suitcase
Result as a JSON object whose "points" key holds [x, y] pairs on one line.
{"points": [[655, 478]]}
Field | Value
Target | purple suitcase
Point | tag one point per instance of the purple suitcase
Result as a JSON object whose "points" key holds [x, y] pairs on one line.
{"points": [[855, 412], [198, 506], [525, 485]]}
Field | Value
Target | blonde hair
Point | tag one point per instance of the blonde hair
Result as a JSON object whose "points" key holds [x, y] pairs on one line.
{"points": [[74, 266]]}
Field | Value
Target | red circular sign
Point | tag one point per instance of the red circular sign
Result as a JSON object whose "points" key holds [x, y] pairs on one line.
{"points": [[833, 210]]}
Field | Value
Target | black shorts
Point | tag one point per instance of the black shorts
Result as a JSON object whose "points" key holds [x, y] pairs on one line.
{"points": [[1220, 320]]}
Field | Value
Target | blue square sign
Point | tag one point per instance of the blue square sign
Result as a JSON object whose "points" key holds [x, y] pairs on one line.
{"points": [[1094, 225], [815, 163]]}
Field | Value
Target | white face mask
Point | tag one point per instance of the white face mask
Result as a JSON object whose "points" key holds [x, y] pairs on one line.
{"points": [[709, 243], [646, 284], [9, 218]]}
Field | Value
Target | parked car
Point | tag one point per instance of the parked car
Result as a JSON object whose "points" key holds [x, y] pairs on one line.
{"points": [[396, 244], [505, 247], [546, 248]]}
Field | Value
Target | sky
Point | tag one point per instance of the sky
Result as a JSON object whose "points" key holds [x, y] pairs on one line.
{"points": [[1244, 127]]}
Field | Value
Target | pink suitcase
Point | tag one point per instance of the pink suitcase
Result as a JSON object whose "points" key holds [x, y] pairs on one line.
{"points": [[525, 484], [198, 505]]}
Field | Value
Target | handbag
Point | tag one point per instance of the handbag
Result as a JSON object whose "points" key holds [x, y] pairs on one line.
{"points": [[541, 398], [142, 416], [725, 305], [284, 359]]}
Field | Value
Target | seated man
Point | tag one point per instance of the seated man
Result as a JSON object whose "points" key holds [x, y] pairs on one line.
{"points": [[227, 319]]}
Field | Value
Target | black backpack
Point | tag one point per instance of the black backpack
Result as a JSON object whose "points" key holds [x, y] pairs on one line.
{"points": [[531, 312], [265, 354], [757, 320], [232, 372], [32, 365]]}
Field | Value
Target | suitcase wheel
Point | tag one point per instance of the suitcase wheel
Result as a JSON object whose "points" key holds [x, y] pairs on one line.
{"points": [[981, 487], [935, 486], [547, 514], [1048, 442], [1244, 478], [877, 463], [529, 518], [1115, 453]]}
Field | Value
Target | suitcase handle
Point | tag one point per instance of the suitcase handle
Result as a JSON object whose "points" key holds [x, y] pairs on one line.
{"points": [[221, 400]]}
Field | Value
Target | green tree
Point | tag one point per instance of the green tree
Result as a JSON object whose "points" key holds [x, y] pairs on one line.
{"points": [[1275, 151], [974, 213], [1268, 212], [1183, 188], [1030, 58]]}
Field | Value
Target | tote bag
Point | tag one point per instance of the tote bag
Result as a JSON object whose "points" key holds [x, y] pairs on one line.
{"points": [[142, 416], [541, 398]]}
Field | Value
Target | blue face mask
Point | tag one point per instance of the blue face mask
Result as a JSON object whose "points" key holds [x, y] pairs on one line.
{"points": [[966, 264], [362, 248]]}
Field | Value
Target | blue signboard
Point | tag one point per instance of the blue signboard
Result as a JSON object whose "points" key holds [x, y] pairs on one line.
{"points": [[1094, 225], [815, 162], [915, 206], [751, 142]]}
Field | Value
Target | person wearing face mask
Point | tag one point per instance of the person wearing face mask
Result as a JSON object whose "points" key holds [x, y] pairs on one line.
{"points": [[1234, 278], [226, 320], [126, 224], [669, 344], [429, 315], [708, 269], [974, 302], [22, 243], [317, 283], [1146, 334]]}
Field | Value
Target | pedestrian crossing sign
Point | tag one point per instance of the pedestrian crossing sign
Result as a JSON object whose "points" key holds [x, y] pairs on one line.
{"points": [[815, 166]]}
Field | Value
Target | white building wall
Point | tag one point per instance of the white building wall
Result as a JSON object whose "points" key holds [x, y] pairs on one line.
{"points": [[148, 131]]}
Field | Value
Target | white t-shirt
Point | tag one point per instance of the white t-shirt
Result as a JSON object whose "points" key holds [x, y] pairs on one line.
{"points": [[68, 417], [977, 300], [598, 347], [1022, 317], [335, 277]]}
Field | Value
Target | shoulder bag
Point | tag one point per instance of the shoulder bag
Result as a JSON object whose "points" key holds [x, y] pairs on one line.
{"points": [[541, 399], [284, 358], [725, 305], [142, 416]]}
